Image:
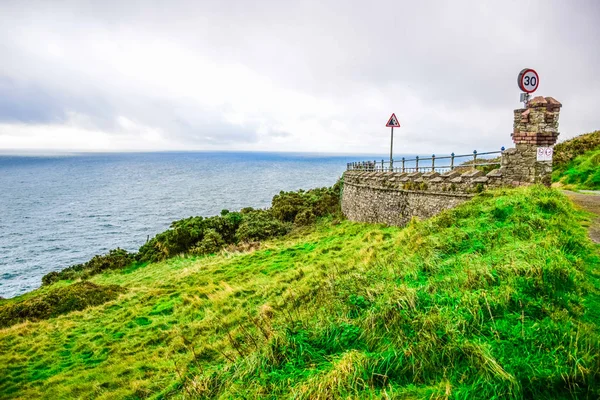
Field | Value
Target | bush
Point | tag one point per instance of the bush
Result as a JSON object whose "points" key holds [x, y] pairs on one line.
{"points": [[75, 297], [188, 233], [210, 244], [199, 235], [115, 259], [286, 206], [304, 217], [261, 225]]}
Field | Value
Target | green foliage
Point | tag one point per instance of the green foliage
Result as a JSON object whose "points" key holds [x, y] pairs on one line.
{"points": [[260, 225], [201, 236], [568, 150], [211, 243], [286, 206], [189, 233], [115, 259], [581, 173], [497, 298], [493, 299], [58, 301]]}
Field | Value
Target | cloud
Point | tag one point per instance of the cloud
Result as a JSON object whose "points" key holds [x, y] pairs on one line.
{"points": [[304, 76]]}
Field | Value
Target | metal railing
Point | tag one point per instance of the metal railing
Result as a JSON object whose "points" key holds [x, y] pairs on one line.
{"points": [[427, 164]]}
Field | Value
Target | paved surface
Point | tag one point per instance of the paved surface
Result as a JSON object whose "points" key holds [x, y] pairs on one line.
{"points": [[589, 201]]}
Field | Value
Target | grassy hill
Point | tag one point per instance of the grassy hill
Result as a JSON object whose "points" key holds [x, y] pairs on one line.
{"points": [[498, 298], [577, 162]]}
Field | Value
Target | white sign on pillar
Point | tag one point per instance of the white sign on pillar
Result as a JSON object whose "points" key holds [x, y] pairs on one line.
{"points": [[545, 153]]}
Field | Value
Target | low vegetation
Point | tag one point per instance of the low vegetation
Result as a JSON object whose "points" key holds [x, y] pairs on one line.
{"points": [[567, 151], [115, 259], [576, 163], [583, 172], [202, 236], [497, 298], [55, 302]]}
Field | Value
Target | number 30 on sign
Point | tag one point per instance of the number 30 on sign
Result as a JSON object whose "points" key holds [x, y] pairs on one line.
{"points": [[528, 80]]}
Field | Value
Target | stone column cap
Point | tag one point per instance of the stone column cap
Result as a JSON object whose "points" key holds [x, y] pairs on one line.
{"points": [[538, 101]]}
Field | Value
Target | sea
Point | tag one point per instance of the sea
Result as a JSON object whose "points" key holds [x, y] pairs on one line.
{"points": [[60, 210]]}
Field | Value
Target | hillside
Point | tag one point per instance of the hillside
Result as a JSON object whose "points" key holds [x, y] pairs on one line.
{"points": [[577, 162], [497, 298]]}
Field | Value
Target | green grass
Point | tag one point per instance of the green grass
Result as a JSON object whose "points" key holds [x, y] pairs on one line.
{"points": [[497, 298], [567, 151], [583, 172]]}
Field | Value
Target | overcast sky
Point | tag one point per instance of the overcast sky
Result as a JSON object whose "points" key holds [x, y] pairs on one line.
{"points": [[319, 76]]}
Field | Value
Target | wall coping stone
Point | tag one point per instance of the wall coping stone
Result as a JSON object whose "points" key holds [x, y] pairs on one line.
{"points": [[451, 174], [430, 175], [448, 194], [472, 174], [495, 173]]}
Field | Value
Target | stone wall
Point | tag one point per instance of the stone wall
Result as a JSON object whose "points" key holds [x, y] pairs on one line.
{"points": [[394, 198], [373, 197]]}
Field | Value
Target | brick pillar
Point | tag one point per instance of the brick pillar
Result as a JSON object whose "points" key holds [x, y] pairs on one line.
{"points": [[535, 126]]}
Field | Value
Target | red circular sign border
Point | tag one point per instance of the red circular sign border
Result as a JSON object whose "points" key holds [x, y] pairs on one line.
{"points": [[537, 77]]}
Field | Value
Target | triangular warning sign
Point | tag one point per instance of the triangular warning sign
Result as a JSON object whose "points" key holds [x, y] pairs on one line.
{"points": [[393, 122]]}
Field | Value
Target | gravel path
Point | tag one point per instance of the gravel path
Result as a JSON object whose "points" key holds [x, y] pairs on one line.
{"points": [[589, 201]]}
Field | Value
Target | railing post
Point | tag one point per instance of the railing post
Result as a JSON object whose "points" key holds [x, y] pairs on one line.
{"points": [[417, 164], [382, 167], [403, 164], [433, 163], [474, 158], [452, 161]]}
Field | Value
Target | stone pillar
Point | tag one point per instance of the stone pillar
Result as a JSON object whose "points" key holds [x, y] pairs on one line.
{"points": [[535, 126]]}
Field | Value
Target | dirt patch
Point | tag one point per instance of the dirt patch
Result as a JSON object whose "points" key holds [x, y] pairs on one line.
{"points": [[589, 201]]}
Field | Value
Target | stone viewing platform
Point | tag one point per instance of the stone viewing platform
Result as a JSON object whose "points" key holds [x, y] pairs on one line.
{"points": [[391, 194]]}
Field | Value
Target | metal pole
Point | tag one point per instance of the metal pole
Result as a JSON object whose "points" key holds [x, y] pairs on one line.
{"points": [[391, 151]]}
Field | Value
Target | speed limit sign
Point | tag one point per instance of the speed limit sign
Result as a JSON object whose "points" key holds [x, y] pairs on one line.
{"points": [[528, 80]]}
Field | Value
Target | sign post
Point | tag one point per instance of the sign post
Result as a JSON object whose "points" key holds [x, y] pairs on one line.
{"points": [[528, 81], [392, 123]]}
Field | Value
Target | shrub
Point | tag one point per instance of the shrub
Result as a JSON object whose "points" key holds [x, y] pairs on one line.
{"points": [[63, 300], [115, 259], [319, 202], [199, 235], [261, 225], [304, 217], [188, 233], [210, 244]]}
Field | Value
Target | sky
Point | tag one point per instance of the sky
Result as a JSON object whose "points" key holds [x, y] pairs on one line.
{"points": [[273, 75]]}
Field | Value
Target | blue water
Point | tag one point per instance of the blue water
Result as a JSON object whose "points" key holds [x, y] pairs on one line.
{"points": [[56, 211]]}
